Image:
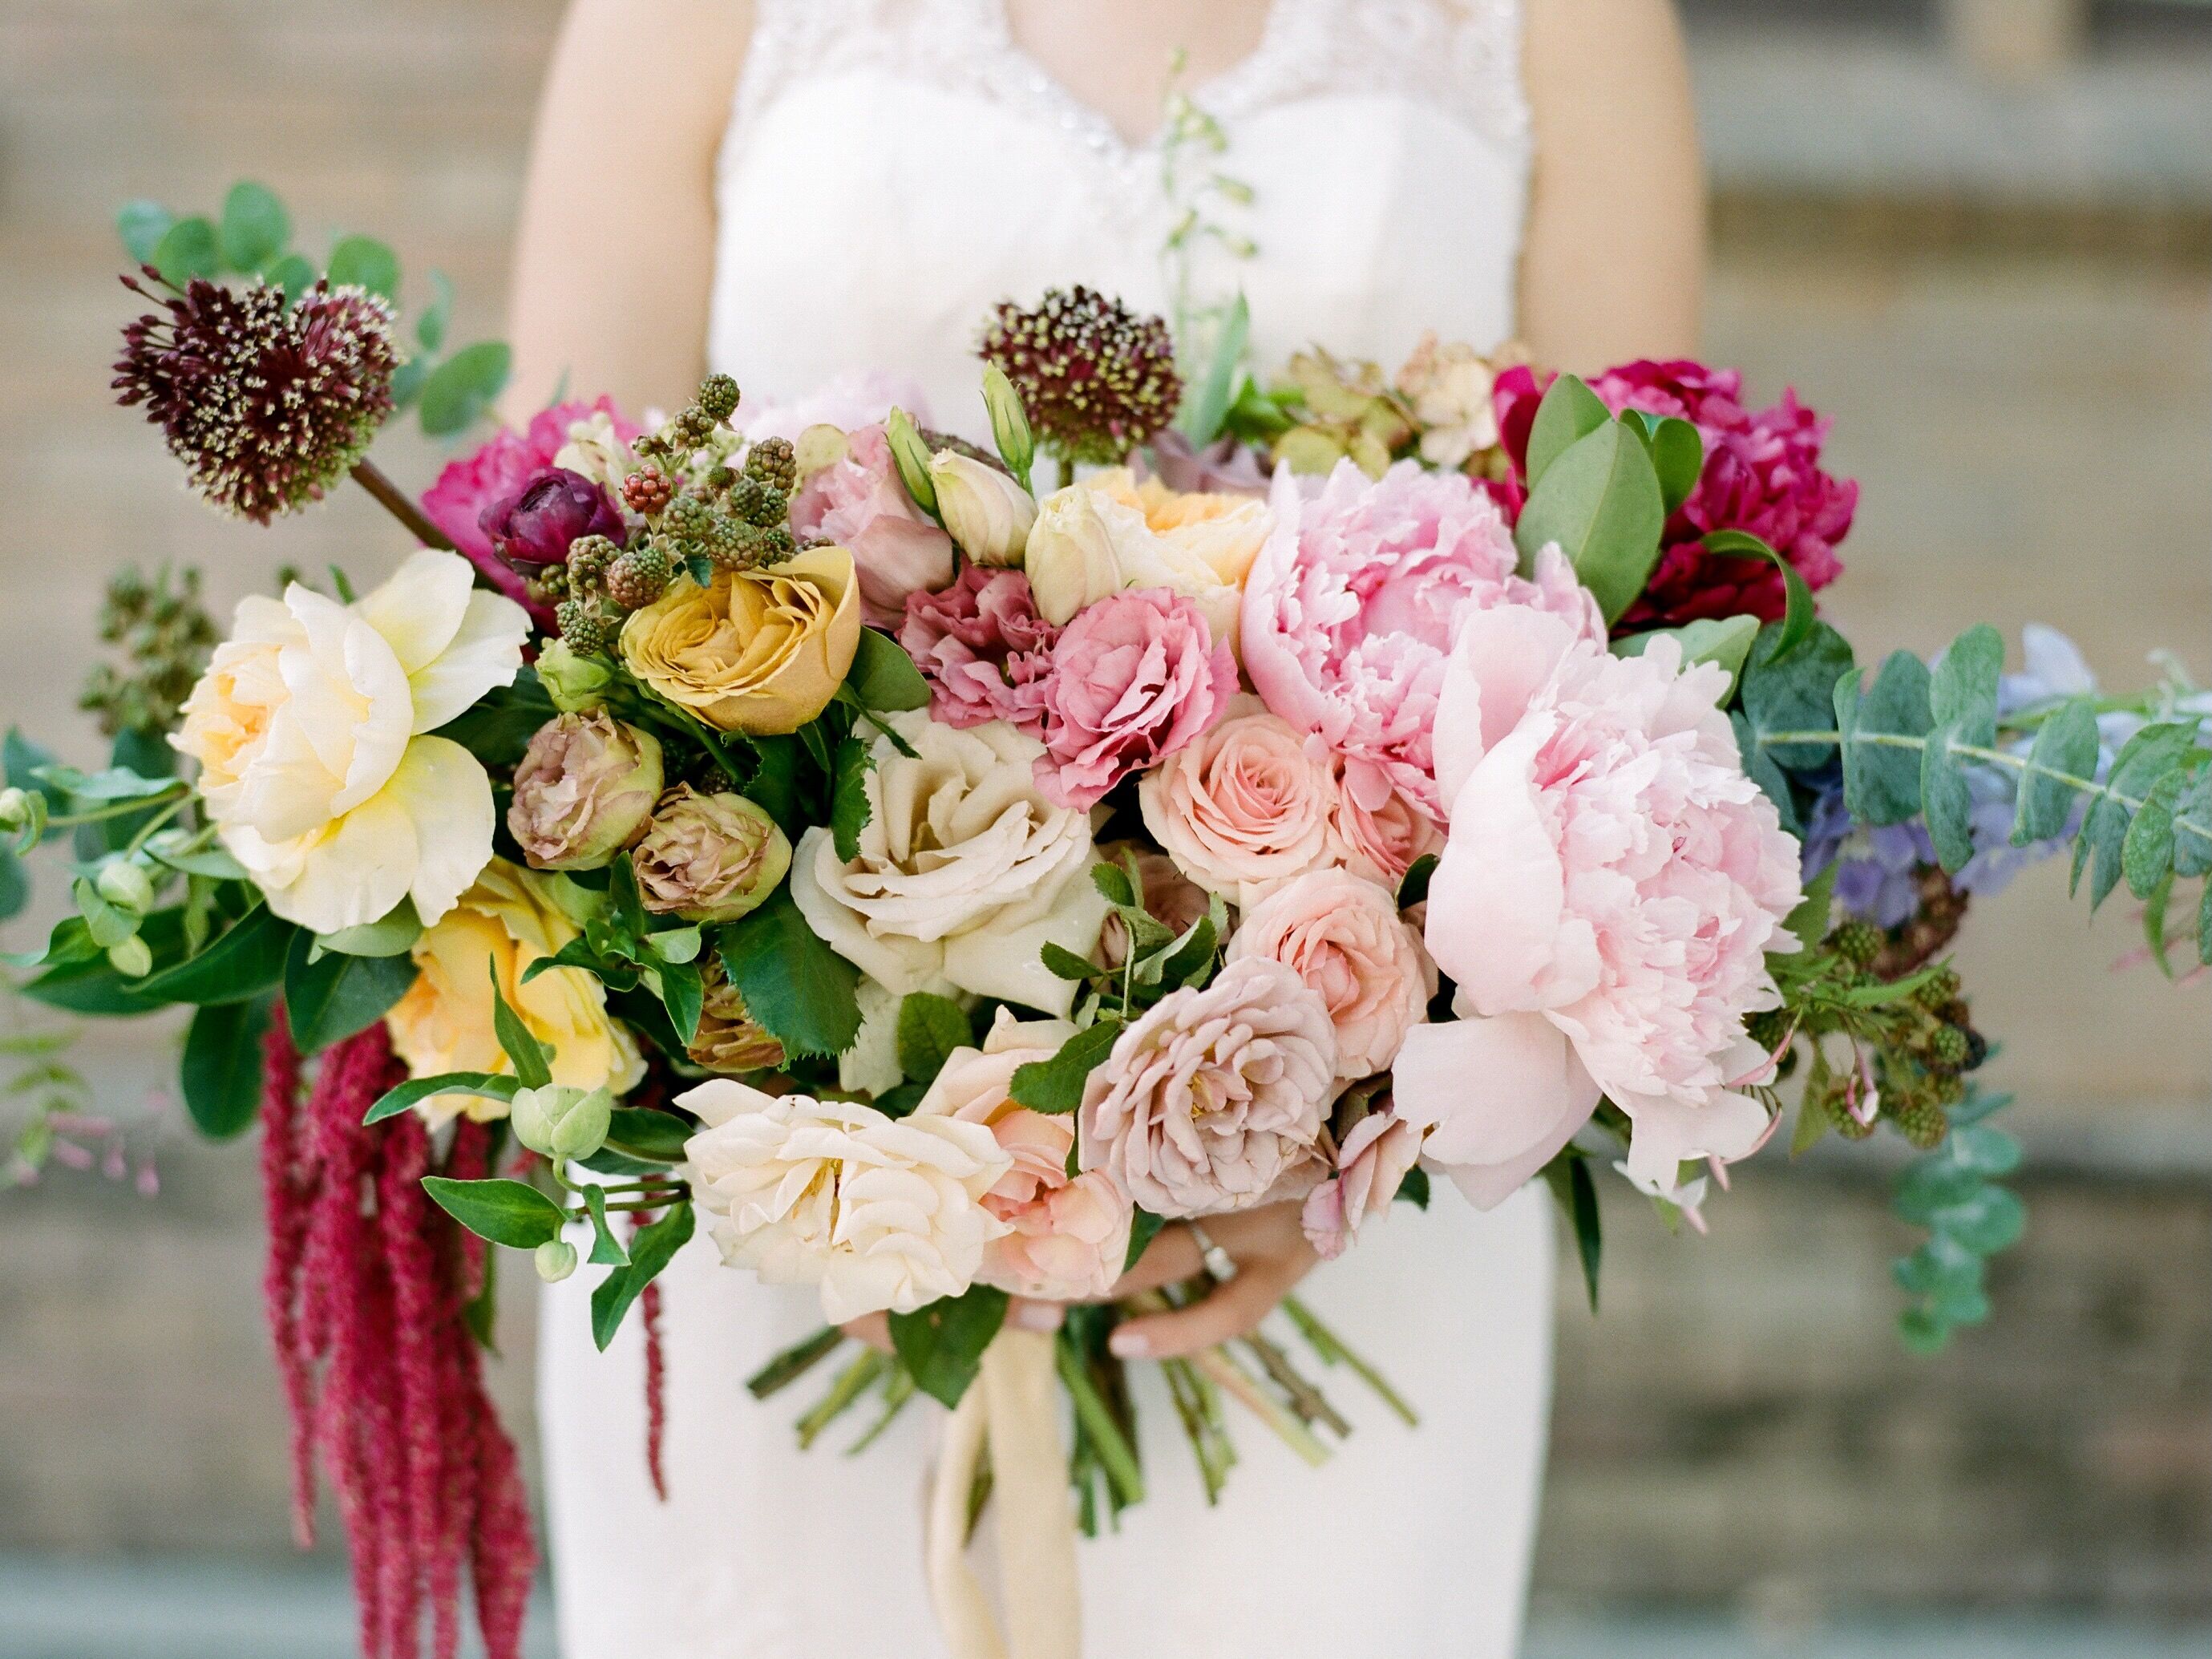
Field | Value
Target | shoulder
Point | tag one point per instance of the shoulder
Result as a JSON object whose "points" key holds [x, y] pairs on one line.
{"points": [[1620, 63], [670, 62]]}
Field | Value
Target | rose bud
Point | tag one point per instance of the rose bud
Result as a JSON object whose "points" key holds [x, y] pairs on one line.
{"points": [[561, 1122], [576, 684], [584, 791], [987, 512], [708, 857], [555, 1260], [729, 1039], [535, 524]]}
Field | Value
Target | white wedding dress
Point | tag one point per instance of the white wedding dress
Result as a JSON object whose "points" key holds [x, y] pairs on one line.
{"points": [[893, 167]]}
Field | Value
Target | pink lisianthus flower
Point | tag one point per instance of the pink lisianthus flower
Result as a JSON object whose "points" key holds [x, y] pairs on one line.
{"points": [[982, 647], [496, 471], [1353, 602], [1370, 1166], [1135, 677], [1610, 885], [859, 503]]}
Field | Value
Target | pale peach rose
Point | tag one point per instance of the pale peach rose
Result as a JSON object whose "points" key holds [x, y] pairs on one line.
{"points": [[1381, 845], [1224, 533], [1244, 805], [1341, 936], [760, 651], [1370, 1167], [1108, 532]]}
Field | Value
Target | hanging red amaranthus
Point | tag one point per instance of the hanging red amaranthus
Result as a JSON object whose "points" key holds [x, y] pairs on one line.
{"points": [[367, 1288]]}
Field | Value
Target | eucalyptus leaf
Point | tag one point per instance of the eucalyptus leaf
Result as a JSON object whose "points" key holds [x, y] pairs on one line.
{"points": [[364, 261], [1600, 503], [187, 249], [430, 325], [255, 225], [2067, 743], [1946, 801], [2146, 850], [464, 386], [295, 274], [1882, 781], [141, 224], [1793, 690], [1963, 688]]}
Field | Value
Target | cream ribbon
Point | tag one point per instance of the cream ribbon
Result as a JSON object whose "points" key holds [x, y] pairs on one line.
{"points": [[1013, 1408]]}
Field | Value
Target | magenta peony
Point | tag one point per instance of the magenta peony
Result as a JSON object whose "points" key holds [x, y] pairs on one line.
{"points": [[859, 503], [982, 647], [1610, 885], [1354, 603], [1370, 1166], [1343, 938], [1135, 677]]}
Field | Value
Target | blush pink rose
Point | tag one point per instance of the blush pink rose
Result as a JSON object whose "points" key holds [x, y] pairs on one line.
{"points": [[982, 647], [1245, 803], [859, 504], [1342, 937], [1135, 677], [1169, 898], [1381, 844], [1353, 604], [1610, 885], [1371, 1165]]}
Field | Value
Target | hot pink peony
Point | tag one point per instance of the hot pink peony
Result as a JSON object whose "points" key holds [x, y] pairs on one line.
{"points": [[1342, 938], [1135, 677], [496, 472], [1370, 1166], [1610, 885], [1354, 602], [982, 647], [859, 504]]}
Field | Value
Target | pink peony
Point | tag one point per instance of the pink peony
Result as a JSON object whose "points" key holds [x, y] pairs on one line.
{"points": [[1135, 677], [1609, 888], [1354, 602], [1342, 938], [856, 398], [859, 504], [496, 471], [982, 647], [1762, 474], [1370, 1167], [1244, 805]]}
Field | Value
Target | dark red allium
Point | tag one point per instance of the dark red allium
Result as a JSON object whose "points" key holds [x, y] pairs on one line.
{"points": [[1096, 379]]}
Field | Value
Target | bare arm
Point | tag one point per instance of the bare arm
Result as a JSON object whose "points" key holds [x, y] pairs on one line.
{"points": [[1614, 265], [614, 257]]}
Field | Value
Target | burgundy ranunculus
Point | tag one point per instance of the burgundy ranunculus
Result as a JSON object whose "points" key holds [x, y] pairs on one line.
{"points": [[535, 524], [1762, 474]]}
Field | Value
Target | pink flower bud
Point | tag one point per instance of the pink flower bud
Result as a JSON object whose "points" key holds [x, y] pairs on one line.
{"points": [[709, 858], [584, 790]]}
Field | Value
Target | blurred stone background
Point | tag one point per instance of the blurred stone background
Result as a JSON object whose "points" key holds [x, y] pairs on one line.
{"points": [[1978, 233]]}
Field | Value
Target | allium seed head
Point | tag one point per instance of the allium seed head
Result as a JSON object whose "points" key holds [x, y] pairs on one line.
{"points": [[1096, 379]]}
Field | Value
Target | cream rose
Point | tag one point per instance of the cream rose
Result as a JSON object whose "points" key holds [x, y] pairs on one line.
{"points": [[1243, 806], [876, 1212], [1343, 938], [1108, 532], [311, 729], [508, 919], [761, 651], [965, 871]]}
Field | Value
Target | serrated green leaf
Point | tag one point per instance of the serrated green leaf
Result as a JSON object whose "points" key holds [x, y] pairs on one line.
{"points": [[489, 1085], [1947, 802], [220, 1076], [255, 225], [942, 1345], [1600, 503], [801, 992], [884, 678], [508, 1212], [930, 1028], [1191, 956], [464, 386], [1064, 964], [2067, 743], [1114, 885], [849, 796], [1569, 412], [187, 249], [655, 1247], [364, 261], [1055, 1085]]}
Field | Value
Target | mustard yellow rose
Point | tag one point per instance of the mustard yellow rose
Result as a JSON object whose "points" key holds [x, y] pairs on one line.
{"points": [[444, 1023], [761, 651]]}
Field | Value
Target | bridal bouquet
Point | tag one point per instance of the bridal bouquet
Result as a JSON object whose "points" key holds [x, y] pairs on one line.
{"points": [[930, 866]]}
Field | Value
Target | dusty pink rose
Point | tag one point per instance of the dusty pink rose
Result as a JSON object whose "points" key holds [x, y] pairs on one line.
{"points": [[1370, 1166], [496, 471], [1245, 803], [1353, 605], [1342, 938], [982, 647], [1135, 677], [1608, 890], [1068, 1235], [584, 790], [1212, 1100], [859, 504], [1382, 844]]}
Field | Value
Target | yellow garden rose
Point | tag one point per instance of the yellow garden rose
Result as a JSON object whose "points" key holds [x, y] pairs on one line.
{"points": [[444, 1023], [761, 651], [1221, 532]]}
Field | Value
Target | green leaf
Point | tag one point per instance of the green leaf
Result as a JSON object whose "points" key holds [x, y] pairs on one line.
{"points": [[1055, 1085], [1114, 885], [241, 964], [1992, 1220], [2204, 926], [1882, 782], [1414, 1189], [392, 935], [641, 1131], [15, 884], [1792, 691], [911, 456], [1207, 405], [1414, 888], [1600, 503], [2192, 827], [430, 327], [655, 1247], [1191, 955], [900, 1099], [929, 1029], [255, 226], [508, 1212], [533, 1066], [606, 1249], [141, 224], [884, 678], [1064, 964], [1934, 1184], [1723, 639], [295, 274], [364, 261], [683, 993], [2147, 851], [187, 249], [1798, 616], [464, 386], [801, 992], [1570, 412], [849, 796], [490, 1085], [1809, 921], [105, 789], [1678, 455], [1144, 1228], [329, 999], [1963, 688], [2067, 743], [221, 1075], [1946, 801], [942, 1345], [1981, 1148], [80, 979], [2144, 758], [1569, 1177]]}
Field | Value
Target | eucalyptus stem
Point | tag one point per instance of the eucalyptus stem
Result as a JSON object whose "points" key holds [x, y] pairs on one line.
{"points": [[397, 501], [146, 830]]}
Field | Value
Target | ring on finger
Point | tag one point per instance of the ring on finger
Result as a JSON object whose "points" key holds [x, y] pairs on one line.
{"points": [[1217, 1261]]}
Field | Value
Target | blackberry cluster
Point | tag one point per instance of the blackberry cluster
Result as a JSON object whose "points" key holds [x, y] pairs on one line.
{"points": [[165, 636]]}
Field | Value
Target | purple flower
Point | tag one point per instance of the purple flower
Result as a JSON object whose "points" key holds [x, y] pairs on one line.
{"points": [[534, 525]]}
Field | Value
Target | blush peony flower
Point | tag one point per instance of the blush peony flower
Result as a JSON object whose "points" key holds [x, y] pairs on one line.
{"points": [[1370, 1166], [1610, 886], [876, 1212], [982, 647], [859, 503], [1354, 602], [1068, 1234], [1135, 678], [1244, 805], [1212, 1100], [849, 401], [1343, 938], [584, 791]]}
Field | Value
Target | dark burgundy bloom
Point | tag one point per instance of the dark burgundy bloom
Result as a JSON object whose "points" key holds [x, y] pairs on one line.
{"points": [[1095, 377], [1762, 475], [534, 525]]}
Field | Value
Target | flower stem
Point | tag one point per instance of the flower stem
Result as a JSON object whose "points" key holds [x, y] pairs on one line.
{"points": [[1307, 1401], [1332, 1350], [850, 1384], [898, 1388], [396, 501], [1116, 1457], [794, 1361], [1220, 1365]]}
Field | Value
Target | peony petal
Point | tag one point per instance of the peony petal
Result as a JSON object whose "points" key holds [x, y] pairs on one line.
{"points": [[1498, 1096], [484, 654], [1669, 1131], [418, 610], [355, 871], [444, 794], [1498, 898]]}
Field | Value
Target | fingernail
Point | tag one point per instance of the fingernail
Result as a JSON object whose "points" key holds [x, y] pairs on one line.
{"points": [[1128, 1344], [1036, 1317]]}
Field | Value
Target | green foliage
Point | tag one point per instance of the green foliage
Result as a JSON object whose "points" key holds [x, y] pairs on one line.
{"points": [[1678, 454], [652, 1249], [141, 224], [220, 1074], [534, 1067], [1882, 780], [1601, 502], [255, 228], [1206, 401], [509, 1213], [431, 323], [1144, 1228], [490, 1086], [498, 726], [801, 992], [930, 1028], [464, 386], [884, 678], [244, 962], [2065, 746], [942, 1345], [364, 261], [1414, 888], [849, 796], [1798, 614], [650, 1136], [188, 248], [1723, 639], [1570, 412], [1569, 1177], [330, 998], [1953, 1193], [1055, 1085]]}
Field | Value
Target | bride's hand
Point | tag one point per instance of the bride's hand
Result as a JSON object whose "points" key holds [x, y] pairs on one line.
{"points": [[1272, 1255]]}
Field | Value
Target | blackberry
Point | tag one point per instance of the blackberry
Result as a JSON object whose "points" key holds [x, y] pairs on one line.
{"points": [[1940, 989], [758, 501], [1765, 1028], [718, 397], [1858, 943], [588, 559], [1949, 1048], [583, 628], [772, 461], [690, 520], [1978, 1049], [762, 546], [639, 577], [548, 585], [647, 490], [1921, 1122]]}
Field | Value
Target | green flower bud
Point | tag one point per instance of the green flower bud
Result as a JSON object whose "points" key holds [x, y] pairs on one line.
{"points": [[14, 808], [560, 1121], [577, 685], [131, 958], [555, 1260], [125, 886], [1010, 422], [912, 456]]}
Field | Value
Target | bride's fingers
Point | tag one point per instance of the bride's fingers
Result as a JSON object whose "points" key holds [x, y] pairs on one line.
{"points": [[1170, 1258], [1232, 1309], [1042, 1317], [874, 1330]]}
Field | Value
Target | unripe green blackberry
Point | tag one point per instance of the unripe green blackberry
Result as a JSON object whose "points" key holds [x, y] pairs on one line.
{"points": [[691, 428], [772, 461], [760, 546], [584, 629], [1940, 989], [548, 585], [1766, 1027], [718, 395], [639, 577], [1847, 1126], [719, 478], [1948, 1048], [1921, 1122], [690, 520], [588, 559], [725, 542], [647, 490], [1858, 943], [757, 501]]}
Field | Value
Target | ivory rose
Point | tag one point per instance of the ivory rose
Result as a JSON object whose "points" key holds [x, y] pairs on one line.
{"points": [[1108, 532], [1243, 805], [1068, 1235], [858, 502], [965, 870], [1212, 1099], [986, 511], [444, 1023], [1610, 885], [311, 728], [1342, 938], [1371, 1165], [760, 652], [877, 1212]]}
